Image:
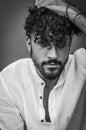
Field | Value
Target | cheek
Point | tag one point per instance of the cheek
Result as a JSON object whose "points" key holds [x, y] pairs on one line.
{"points": [[64, 55], [38, 54]]}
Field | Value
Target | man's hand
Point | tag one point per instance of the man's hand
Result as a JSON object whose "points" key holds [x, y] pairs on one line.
{"points": [[58, 6]]}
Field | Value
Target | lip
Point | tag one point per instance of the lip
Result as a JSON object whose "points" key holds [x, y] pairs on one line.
{"points": [[53, 65]]}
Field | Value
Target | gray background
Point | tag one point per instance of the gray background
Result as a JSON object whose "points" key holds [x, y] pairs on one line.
{"points": [[12, 34]]}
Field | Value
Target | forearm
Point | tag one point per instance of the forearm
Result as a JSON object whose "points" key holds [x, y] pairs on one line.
{"points": [[78, 18]]}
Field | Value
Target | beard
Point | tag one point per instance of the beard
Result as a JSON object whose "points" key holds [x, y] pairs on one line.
{"points": [[47, 71]]}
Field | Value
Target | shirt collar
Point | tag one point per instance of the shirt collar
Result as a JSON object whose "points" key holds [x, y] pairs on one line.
{"points": [[35, 74]]}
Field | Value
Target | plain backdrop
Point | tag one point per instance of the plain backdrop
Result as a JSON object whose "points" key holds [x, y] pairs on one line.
{"points": [[12, 34]]}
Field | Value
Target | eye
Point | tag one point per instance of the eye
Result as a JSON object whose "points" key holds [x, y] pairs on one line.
{"points": [[41, 41], [62, 43]]}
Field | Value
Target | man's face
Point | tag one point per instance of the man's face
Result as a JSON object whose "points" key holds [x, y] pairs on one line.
{"points": [[49, 59]]}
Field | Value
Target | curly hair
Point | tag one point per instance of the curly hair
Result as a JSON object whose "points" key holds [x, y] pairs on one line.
{"points": [[46, 22]]}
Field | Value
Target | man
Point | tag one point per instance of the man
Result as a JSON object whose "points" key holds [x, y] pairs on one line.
{"points": [[47, 90]]}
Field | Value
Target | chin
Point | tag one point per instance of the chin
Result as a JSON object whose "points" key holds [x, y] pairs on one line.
{"points": [[51, 76]]}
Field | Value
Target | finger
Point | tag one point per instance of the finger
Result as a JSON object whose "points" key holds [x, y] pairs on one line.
{"points": [[61, 0], [39, 2], [58, 9], [44, 2]]}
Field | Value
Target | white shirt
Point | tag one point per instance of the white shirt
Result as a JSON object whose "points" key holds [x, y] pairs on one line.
{"points": [[21, 95]]}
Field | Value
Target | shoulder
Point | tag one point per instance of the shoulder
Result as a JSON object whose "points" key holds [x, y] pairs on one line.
{"points": [[16, 71], [17, 65]]}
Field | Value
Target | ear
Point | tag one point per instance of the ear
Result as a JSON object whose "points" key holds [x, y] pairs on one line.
{"points": [[28, 44]]}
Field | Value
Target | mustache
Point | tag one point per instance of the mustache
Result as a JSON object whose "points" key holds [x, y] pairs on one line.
{"points": [[52, 61]]}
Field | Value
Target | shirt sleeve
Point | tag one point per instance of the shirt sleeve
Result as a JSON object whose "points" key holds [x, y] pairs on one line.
{"points": [[10, 118], [81, 59]]}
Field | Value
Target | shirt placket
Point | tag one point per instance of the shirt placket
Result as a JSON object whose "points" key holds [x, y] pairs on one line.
{"points": [[51, 104], [41, 108]]}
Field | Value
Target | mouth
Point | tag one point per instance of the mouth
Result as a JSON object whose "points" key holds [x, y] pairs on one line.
{"points": [[53, 65]]}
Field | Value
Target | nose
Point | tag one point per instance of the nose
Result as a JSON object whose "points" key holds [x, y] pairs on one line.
{"points": [[52, 53]]}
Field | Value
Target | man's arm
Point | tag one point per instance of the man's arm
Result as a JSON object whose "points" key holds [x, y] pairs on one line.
{"points": [[67, 10], [77, 17]]}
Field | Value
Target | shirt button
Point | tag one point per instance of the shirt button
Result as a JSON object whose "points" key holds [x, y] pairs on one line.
{"points": [[42, 83], [40, 97], [51, 109], [42, 120]]}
